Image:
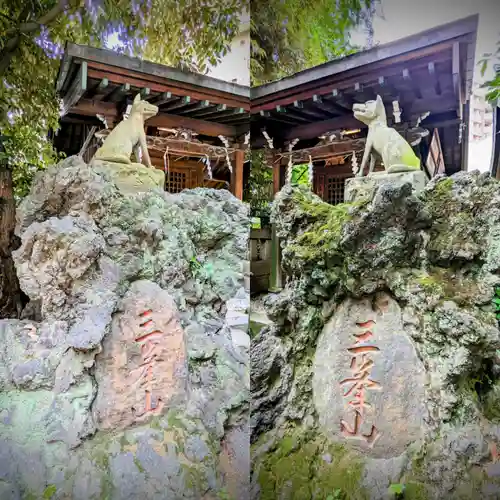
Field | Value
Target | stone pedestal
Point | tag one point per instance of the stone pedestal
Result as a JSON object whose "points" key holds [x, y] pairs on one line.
{"points": [[131, 178], [363, 188]]}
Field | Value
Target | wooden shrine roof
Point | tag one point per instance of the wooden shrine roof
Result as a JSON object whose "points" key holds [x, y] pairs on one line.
{"points": [[101, 82], [427, 72]]}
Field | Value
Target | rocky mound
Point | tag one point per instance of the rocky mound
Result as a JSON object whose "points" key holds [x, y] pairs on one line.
{"points": [[381, 370], [127, 377]]}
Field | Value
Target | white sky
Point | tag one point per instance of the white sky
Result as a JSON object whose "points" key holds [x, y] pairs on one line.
{"points": [[402, 18]]}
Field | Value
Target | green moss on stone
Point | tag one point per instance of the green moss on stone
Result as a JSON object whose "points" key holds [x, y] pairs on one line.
{"points": [[449, 285], [324, 235], [49, 491], [305, 468], [430, 284], [255, 328], [415, 491], [138, 464]]}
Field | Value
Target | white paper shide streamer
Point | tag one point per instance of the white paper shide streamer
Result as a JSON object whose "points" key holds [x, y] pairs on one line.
{"points": [[354, 163]]}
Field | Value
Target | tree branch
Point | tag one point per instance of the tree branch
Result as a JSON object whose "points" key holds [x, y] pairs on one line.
{"points": [[24, 28], [7, 53], [51, 15]]}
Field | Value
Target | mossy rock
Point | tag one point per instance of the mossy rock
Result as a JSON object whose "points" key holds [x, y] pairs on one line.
{"points": [[300, 467]]}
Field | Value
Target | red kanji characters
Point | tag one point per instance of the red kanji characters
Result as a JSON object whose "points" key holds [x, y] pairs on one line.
{"points": [[360, 380]]}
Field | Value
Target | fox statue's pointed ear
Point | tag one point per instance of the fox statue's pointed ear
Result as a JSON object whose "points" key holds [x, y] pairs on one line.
{"points": [[379, 100], [137, 98]]}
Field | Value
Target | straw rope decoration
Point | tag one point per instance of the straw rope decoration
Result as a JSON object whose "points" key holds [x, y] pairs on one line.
{"points": [[289, 171], [166, 167], [354, 163], [311, 171]]}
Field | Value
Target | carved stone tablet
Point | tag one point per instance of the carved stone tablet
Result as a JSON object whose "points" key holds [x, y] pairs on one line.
{"points": [[142, 369], [368, 383]]}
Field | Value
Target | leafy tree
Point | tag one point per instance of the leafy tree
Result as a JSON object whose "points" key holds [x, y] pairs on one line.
{"points": [[292, 35], [259, 190], [182, 33], [493, 85]]}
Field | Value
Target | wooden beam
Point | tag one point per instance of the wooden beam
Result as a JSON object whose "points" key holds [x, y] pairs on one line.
{"points": [[328, 105], [195, 107], [100, 90], [344, 82], [465, 136], [119, 92], [85, 145], [233, 114], [314, 130], [431, 68], [77, 89], [163, 98], [142, 81], [163, 120], [291, 114], [414, 86], [457, 82], [181, 103], [276, 174], [237, 175], [314, 112]]}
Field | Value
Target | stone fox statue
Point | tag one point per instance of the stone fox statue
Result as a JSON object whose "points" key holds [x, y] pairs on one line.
{"points": [[396, 153], [128, 136]]}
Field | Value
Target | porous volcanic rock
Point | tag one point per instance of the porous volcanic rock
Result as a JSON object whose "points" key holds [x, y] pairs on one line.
{"points": [[123, 379], [381, 366]]}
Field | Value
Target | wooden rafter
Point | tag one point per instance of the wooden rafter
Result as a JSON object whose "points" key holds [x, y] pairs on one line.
{"points": [[203, 127]]}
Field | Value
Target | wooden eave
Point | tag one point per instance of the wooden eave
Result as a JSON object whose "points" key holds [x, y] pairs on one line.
{"points": [[430, 71], [100, 82]]}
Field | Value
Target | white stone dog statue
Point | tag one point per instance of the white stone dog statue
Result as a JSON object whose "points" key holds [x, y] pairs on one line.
{"points": [[128, 136], [397, 155]]}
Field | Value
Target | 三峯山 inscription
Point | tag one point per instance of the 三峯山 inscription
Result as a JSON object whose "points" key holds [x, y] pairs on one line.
{"points": [[368, 382], [361, 365], [142, 368]]}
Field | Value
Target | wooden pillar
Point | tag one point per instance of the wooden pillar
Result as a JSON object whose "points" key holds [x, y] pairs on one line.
{"points": [[276, 174], [465, 137], [276, 278], [237, 174], [495, 153]]}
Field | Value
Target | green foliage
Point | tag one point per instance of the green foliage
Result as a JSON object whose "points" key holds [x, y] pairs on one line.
{"points": [[49, 492], [397, 490], [259, 190], [300, 174], [496, 302], [336, 495], [183, 33], [493, 85], [201, 269], [293, 35]]}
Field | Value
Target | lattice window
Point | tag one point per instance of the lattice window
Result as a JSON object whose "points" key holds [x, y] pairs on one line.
{"points": [[176, 182], [335, 190]]}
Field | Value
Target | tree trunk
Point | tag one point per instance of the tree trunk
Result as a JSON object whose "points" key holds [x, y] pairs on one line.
{"points": [[10, 292]]}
